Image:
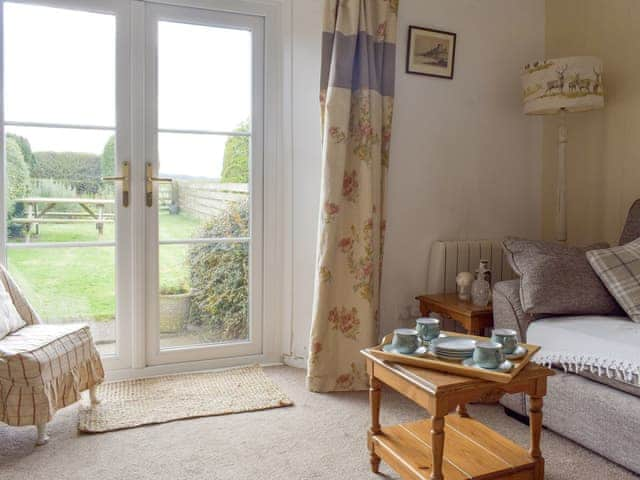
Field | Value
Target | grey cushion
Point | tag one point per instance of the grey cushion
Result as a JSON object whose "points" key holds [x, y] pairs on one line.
{"points": [[631, 229], [556, 279], [619, 270]]}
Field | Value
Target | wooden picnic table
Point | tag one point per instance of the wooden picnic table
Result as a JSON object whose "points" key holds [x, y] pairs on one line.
{"points": [[94, 212]]}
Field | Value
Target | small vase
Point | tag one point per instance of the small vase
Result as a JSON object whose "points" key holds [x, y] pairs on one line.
{"points": [[484, 270], [480, 292]]}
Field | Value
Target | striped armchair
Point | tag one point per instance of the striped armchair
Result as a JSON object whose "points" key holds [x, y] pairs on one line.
{"points": [[43, 368]]}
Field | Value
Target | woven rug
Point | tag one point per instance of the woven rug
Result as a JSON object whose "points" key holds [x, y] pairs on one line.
{"points": [[133, 403]]}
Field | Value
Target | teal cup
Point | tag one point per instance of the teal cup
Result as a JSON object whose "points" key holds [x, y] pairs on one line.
{"points": [[428, 328], [488, 354], [405, 340], [507, 337]]}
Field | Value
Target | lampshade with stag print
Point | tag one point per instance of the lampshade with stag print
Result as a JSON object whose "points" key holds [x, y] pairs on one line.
{"points": [[570, 84]]}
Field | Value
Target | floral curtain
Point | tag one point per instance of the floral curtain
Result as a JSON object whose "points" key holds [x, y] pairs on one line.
{"points": [[356, 97]]}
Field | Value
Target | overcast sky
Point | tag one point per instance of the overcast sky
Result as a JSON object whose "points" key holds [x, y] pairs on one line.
{"points": [[60, 68]]}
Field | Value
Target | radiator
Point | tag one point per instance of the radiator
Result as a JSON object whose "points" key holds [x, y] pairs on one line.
{"points": [[448, 258]]}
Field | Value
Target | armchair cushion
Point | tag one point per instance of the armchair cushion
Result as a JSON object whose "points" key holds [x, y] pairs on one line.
{"points": [[28, 314], [556, 279], [10, 319], [619, 269], [44, 368]]}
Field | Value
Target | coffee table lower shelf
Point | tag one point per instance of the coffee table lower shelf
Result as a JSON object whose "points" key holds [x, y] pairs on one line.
{"points": [[472, 451]]}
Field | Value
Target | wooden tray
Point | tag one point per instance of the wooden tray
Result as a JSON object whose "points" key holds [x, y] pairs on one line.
{"points": [[455, 367]]}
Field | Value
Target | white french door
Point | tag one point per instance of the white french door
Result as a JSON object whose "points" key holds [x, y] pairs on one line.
{"points": [[204, 95], [133, 170]]}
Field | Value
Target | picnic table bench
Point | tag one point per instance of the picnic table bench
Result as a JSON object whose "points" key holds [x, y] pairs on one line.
{"points": [[94, 212]]}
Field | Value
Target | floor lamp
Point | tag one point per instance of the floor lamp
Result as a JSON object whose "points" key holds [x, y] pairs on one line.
{"points": [[558, 86]]}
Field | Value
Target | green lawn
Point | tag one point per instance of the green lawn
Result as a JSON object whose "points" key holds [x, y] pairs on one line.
{"points": [[79, 283]]}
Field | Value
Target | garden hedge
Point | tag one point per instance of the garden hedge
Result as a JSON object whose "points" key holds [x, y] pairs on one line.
{"points": [[81, 170]]}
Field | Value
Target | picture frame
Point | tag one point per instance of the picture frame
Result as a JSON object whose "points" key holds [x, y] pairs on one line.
{"points": [[431, 52]]}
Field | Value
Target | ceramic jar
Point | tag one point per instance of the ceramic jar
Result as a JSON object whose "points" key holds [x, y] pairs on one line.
{"points": [[480, 291]]}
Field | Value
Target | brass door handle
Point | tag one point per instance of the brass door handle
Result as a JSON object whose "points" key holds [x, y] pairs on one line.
{"points": [[148, 187], [124, 178]]}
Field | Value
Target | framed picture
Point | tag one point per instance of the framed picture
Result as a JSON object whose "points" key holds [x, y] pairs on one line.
{"points": [[431, 52]]}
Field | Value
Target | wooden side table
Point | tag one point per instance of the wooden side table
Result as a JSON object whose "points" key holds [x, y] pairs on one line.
{"points": [[472, 317], [452, 447]]}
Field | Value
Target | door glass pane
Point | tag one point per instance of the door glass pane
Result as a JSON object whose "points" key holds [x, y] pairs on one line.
{"points": [[204, 94], [204, 77], [209, 194], [55, 187], [59, 65], [70, 285], [60, 69], [204, 293]]}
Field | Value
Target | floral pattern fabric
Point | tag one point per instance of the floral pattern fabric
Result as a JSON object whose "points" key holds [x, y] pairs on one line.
{"points": [[356, 98]]}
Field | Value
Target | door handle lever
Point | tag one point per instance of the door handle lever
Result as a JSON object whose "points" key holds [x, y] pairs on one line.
{"points": [[124, 178], [149, 180]]}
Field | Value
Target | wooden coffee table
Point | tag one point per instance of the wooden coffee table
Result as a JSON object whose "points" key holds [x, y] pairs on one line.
{"points": [[456, 446]]}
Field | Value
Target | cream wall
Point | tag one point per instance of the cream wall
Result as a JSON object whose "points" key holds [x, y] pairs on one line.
{"points": [[603, 154], [465, 161]]}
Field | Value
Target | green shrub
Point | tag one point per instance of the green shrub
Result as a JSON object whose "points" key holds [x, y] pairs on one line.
{"points": [[18, 183], [235, 163], [50, 188], [108, 158], [174, 289], [25, 148], [80, 170], [220, 275]]}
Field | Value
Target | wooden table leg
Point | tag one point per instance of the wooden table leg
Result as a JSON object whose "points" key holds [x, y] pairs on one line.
{"points": [[462, 410], [30, 217], [100, 222], [374, 401], [35, 214], [475, 328], [437, 447], [535, 423]]}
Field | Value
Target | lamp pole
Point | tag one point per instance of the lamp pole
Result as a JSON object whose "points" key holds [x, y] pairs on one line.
{"points": [[561, 203]]}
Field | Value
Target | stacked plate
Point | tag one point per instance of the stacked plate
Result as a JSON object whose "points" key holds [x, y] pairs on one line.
{"points": [[453, 348]]}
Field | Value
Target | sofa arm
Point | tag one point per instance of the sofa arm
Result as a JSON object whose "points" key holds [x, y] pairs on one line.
{"points": [[507, 308]]}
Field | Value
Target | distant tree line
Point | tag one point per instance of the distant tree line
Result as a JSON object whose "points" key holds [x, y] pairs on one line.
{"points": [[235, 163]]}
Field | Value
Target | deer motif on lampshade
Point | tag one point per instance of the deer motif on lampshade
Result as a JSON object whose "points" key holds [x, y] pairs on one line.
{"points": [[572, 84]]}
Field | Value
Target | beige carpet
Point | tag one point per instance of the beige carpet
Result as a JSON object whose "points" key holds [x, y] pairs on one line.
{"points": [[146, 401], [321, 437]]}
